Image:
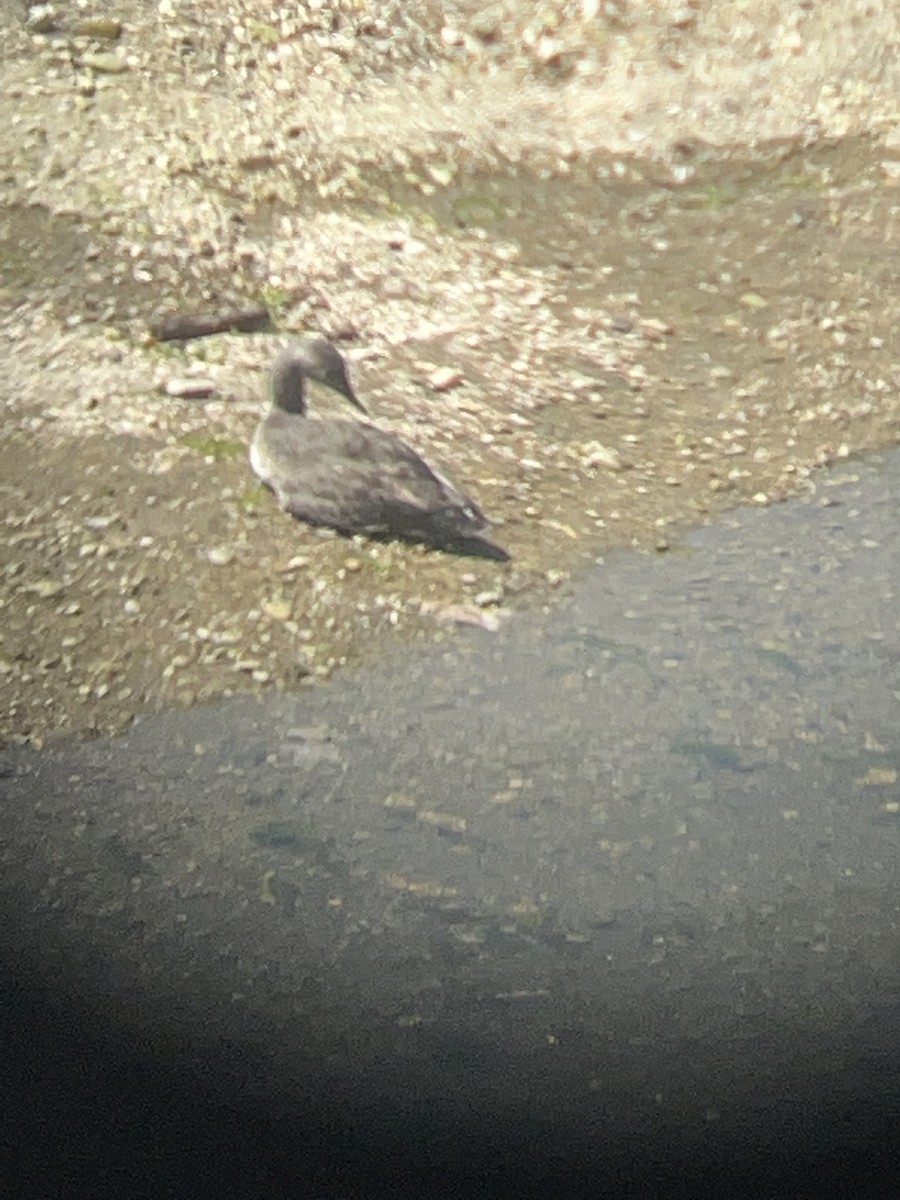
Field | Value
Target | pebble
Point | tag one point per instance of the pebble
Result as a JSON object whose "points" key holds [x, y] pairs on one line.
{"points": [[220, 556], [104, 63], [487, 25], [295, 564], [189, 389], [278, 608], [447, 821], [44, 589], [488, 599], [464, 614], [655, 330], [104, 29], [597, 455], [445, 378]]}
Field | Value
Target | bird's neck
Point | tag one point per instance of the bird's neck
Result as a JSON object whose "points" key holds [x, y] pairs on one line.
{"points": [[288, 392]]}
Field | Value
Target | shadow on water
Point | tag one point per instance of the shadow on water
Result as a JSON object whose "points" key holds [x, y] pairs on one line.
{"points": [[603, 904]]}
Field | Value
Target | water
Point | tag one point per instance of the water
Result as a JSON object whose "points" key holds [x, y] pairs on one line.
{"points": [[606, 898]]}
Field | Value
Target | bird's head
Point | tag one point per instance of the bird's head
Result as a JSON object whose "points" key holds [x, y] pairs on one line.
{"points": [[309, 358]]}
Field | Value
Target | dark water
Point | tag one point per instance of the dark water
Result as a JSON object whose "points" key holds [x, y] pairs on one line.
{"points": [[603, 904]]}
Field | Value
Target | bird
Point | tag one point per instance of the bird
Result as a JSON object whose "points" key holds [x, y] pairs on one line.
{"points": [[352, 476]]}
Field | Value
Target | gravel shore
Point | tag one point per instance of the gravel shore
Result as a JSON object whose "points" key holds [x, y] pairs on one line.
{"points": [[614, 267]]}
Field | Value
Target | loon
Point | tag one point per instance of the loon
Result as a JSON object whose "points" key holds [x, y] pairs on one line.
{"points": [[352, 476]]}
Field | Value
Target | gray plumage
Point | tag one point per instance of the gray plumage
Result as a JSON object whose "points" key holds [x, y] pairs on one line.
{"points": [[352, 476]]}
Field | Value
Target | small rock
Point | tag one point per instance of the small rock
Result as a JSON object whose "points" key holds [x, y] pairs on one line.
{"points": [[226, 637], [105, 63], [42, 18], [448, 821], [220, 556], [444, 378], [104, 29], [44, 589], [465, 614], [596, 455], [441, 173], [487, 25], [754, 300], [297, 563], [548, 51], [654, 329], [489, 599], [190, 389], [683, 17], [278, 608], [399, 800], [877, 777]]}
